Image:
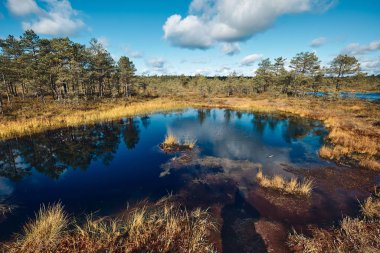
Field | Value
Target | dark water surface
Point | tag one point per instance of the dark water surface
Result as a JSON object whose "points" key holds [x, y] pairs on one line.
{"points": [[103, 167]]}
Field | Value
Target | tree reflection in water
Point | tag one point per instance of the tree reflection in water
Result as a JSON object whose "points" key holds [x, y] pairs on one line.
{"points": [[52, 152]]}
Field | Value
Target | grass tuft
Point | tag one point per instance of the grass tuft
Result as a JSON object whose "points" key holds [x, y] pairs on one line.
{"points": [[305, 187], [326, 152], [44, 231], [371, 208], [170, 140], [190, 143], [172, 144], [163, 226], [292, 186]]}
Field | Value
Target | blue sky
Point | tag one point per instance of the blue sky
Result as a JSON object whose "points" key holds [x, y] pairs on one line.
{"points": [[212, 37]]}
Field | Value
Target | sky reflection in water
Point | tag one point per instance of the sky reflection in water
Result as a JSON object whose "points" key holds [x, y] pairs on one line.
{"points": [[104, 166]]}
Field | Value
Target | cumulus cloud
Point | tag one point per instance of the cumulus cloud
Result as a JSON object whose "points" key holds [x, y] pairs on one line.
{"points": [[52, 17], [231, 48], [212, 21], [249, 60], [189, 32], [357, 49], [318, 42], [371, 66], [22, 7]]}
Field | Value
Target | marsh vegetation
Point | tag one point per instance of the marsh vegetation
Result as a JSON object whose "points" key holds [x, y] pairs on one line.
{"points": [[78, 127], [150, 227], [173, 144], [292, 186], [360, 234]]}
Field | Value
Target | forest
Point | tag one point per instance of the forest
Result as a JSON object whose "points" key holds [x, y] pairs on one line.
{"points": [[60, 69]]}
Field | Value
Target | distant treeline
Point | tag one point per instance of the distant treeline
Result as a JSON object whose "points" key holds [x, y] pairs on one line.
{"points": [[62, 69]]}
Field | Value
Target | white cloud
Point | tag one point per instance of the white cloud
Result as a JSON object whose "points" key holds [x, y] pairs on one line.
{"points": [[318, 42], [212, 21], [249, 60], [53, 17], [133, 53], [357, 49], [231, 48], [371, 66], [189, 32], [22, 7]]}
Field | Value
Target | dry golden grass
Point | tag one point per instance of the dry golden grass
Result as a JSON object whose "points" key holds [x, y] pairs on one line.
{"points": [[305, 187], [44, 231], [371, 208], [190, 143], [356, 235], [326, 152], [68, 117], [370, 163], [292, 186], [160, 227], [172, 144], [170, 140]]}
